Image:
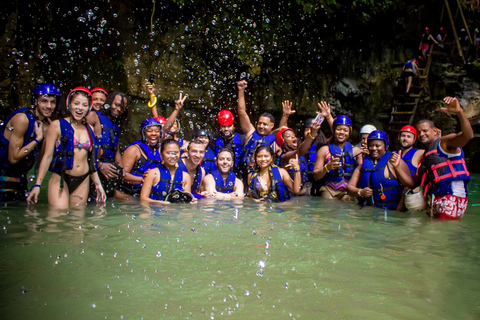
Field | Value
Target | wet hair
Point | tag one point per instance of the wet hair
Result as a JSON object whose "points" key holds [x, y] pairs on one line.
{"points": [[167, 142], [227, 150], [430, 123], [261, 148], [110, 98], [269, 116], [195, 141]]}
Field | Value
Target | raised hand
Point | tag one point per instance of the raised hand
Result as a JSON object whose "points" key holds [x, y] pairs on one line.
{"points": [[453, 106], [395, 158], [324, 109], [180, 101], [287, 108], [241, 85], [150, 88]]}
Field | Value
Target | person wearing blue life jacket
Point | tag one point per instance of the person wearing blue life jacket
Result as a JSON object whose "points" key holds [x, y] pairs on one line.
{"points": [[222, 183], [70, 155], [209, 158], [442, 171], [254, 136], [21, 138], [107, 125], [411, 156], [141, 156], [191, 163], [319, 141], [379, 180], [228, 138], [287, 141], [166, 178], [269, 182], [99, 96], [336, 162]]}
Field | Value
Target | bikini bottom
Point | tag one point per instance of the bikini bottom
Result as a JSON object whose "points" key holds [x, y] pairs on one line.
{"points": [[73, 182]]}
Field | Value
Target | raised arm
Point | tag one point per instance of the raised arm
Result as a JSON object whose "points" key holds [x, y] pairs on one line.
{"points": [[287, 111], [152, 103], [245, 123], [451, 142], [175, 112], [325, 111]]}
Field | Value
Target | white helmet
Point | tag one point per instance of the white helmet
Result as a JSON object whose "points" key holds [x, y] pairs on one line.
{"points": [[368, 128]]}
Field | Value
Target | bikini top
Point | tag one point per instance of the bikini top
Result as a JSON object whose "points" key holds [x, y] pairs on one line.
{"points": [[86, 145]]}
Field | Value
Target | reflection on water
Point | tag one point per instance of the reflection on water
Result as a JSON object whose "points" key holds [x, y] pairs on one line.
{"points": [[305, 259]]}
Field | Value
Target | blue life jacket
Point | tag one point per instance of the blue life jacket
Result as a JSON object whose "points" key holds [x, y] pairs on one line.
{"points": [[246, 160], [63, 152], [237, 146], [166, 184], [198, 175], [220, 183], [439, 171], [311, 157], [348, 163], [108, 141], [278, 192], [152, 161], [208, 162], [374, 178], [23, 166], [407, 157]]}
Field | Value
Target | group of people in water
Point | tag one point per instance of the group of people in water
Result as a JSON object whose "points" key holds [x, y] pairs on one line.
{"points": [[264, 163]]}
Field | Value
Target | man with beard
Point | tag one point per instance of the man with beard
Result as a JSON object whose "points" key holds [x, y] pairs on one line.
{"points": [[21, 142], [222, 183], [411, 156], [228, 139], [254, 137], [106, 125], [443, 171]]}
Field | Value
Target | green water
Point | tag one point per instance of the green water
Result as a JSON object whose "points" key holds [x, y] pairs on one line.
{"points": [[304, 259]]}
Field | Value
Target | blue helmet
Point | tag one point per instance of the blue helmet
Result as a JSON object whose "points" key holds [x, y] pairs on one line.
{"points": [[342, 120], [378, 135], [148, 123], [45, 89]]}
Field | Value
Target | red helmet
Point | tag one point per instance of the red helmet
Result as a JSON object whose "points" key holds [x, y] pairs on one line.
{"points": [[410, 129], [81, 89], [99, 90], [225, 118], [161, 119], [427, 29], [280, 141]]}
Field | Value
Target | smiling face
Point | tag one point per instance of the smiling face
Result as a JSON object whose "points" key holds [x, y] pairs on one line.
{"points": [[376, 149], [290, 139], [341, 133], [407, 139], [45, 105], [170, 155], [224, 162], [174, 127], [118, 108], [204, 140], [79, 106], [196, 152], [99, 99], [264, 126], [227, 131], [263, 158], [152, 135], [426, 133]]}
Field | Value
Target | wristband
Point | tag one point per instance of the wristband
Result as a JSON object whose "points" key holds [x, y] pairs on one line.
{"points": [[38, 142], [329, 117], [152, 95], [37, 185], [151, 105], [358, 192], [326, 169], [310, 135]]}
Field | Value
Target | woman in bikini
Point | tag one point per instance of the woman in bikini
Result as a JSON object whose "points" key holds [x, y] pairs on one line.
{"points": [[269, 182], [70, 155]]}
